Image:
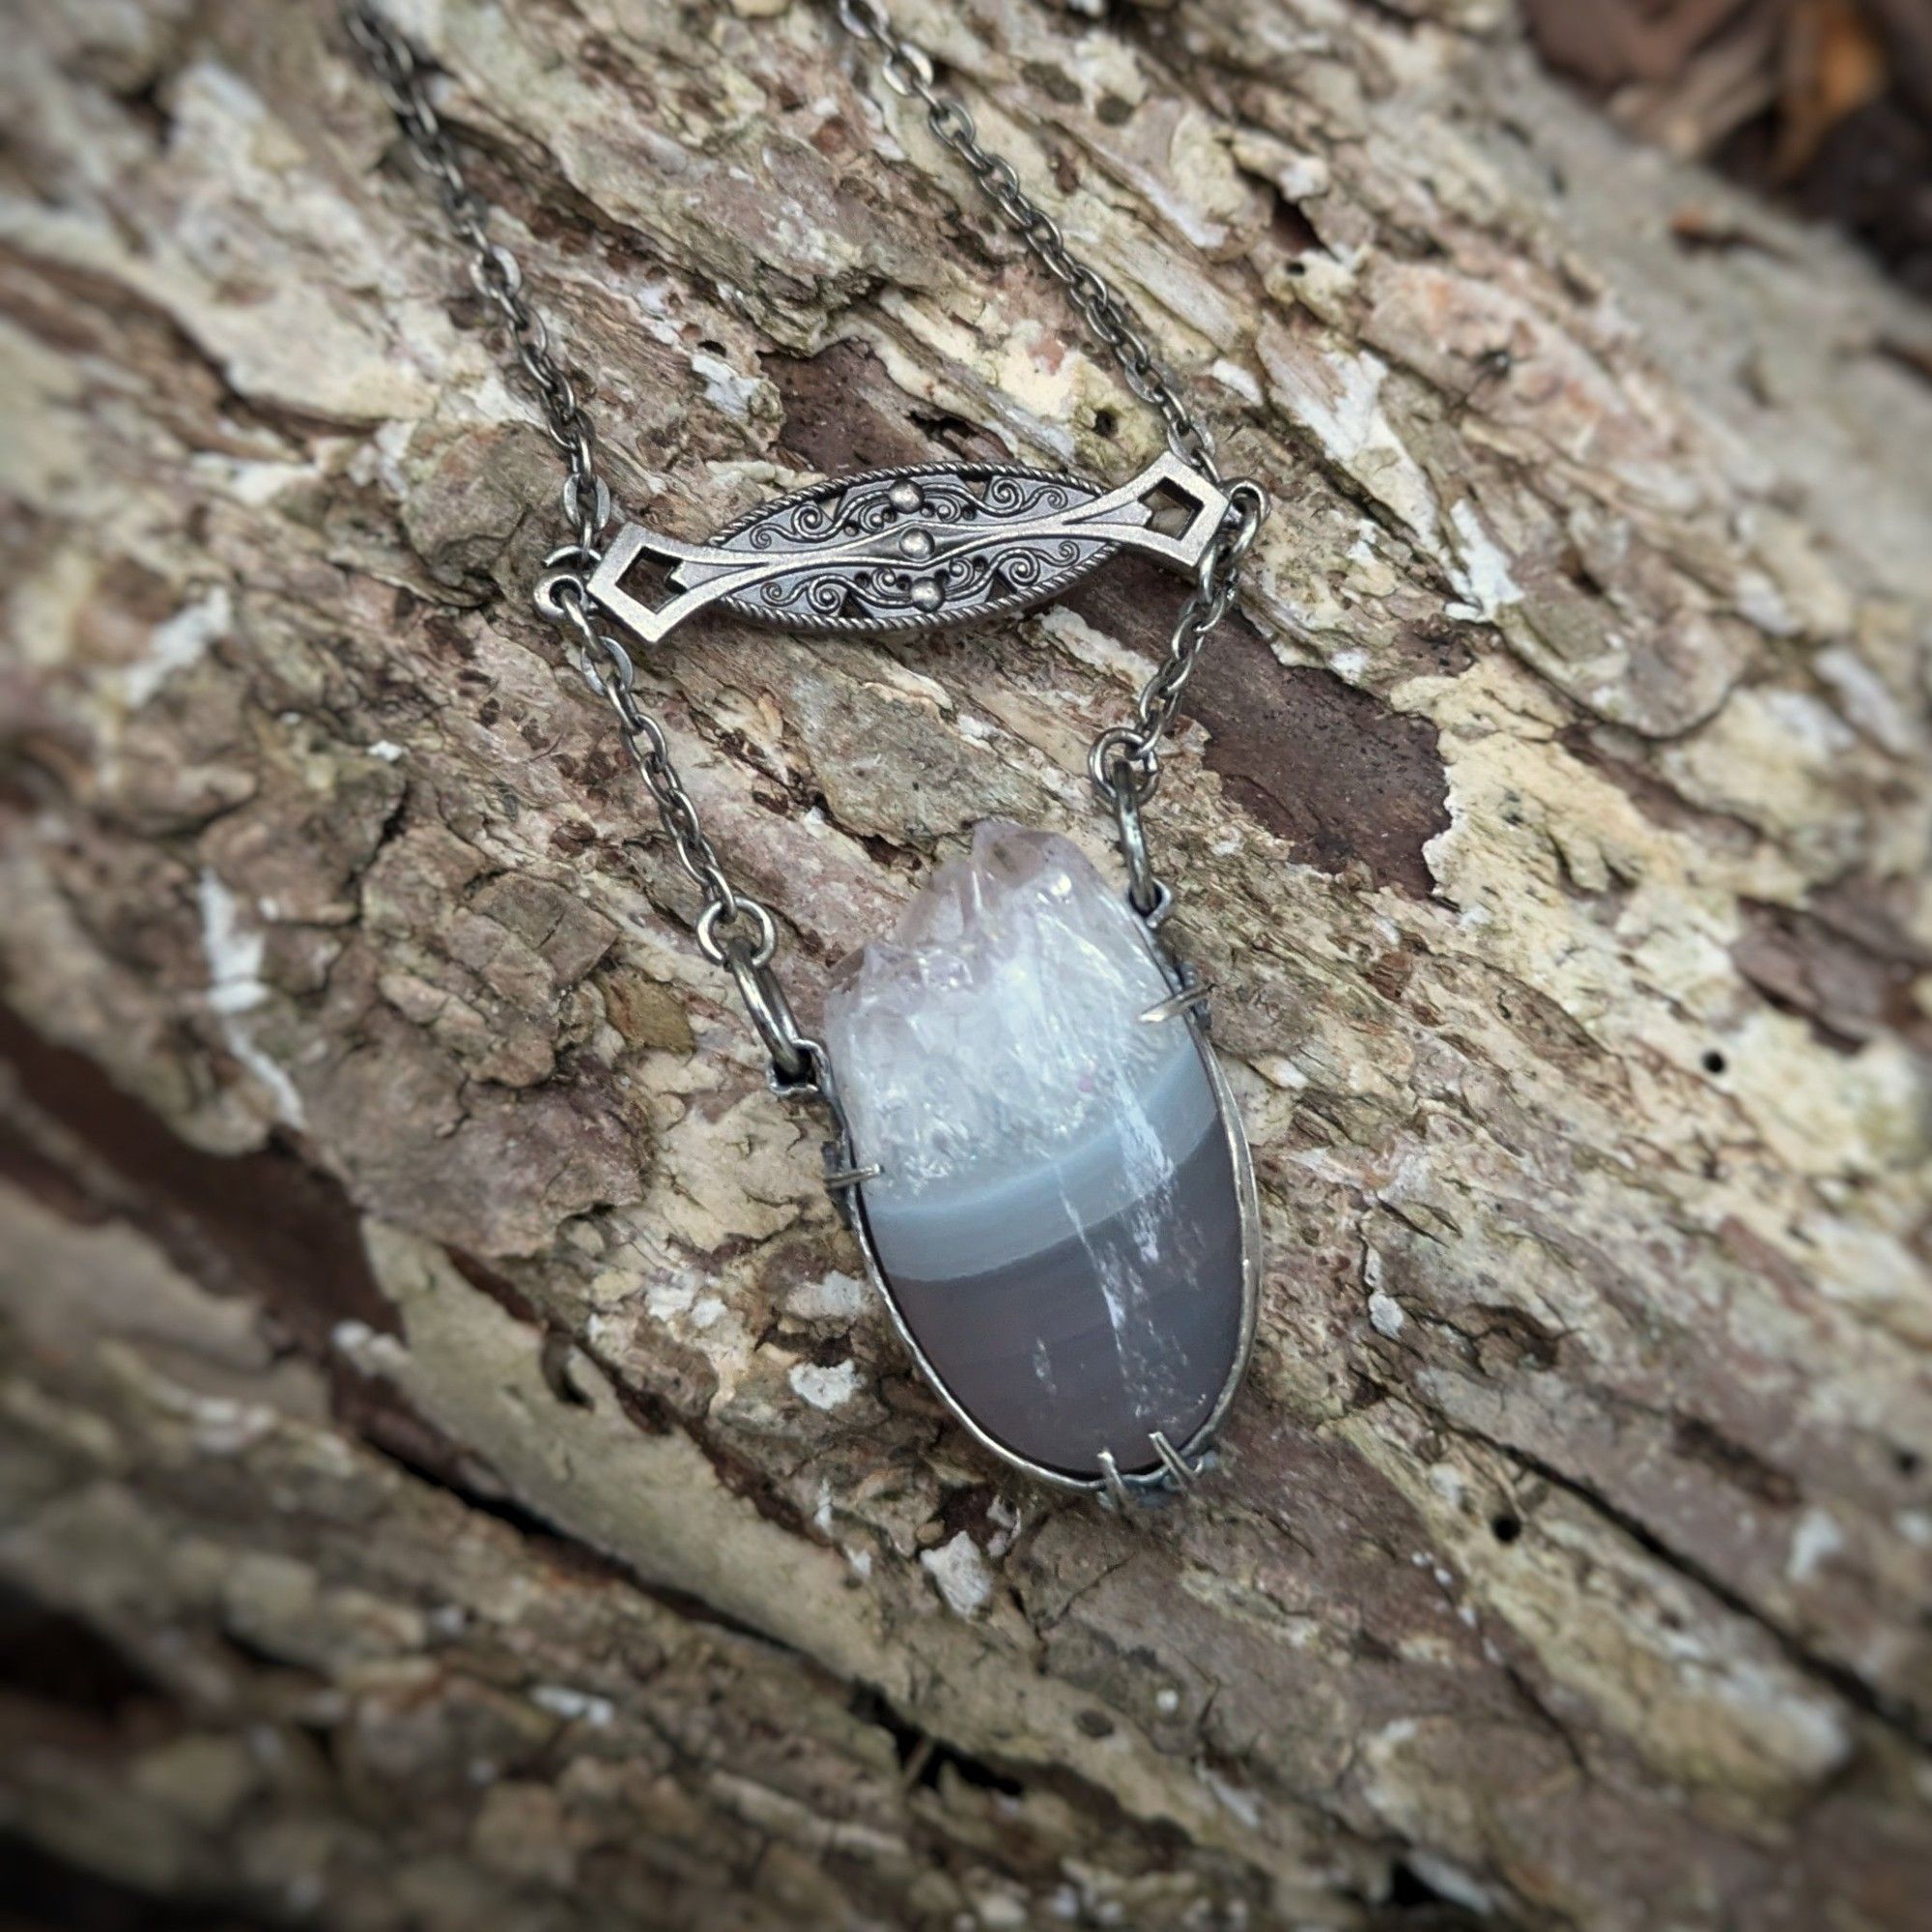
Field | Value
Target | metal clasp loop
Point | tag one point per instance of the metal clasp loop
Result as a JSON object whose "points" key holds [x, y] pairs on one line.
{"points": [[1145, 892], [793, 1064], [562, 593], [795, 1059]]}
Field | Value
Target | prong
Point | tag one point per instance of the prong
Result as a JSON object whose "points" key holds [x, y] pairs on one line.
{"points": [[1177, 1004], [1117, 1488], [851, 1177], [1179, 1471]]}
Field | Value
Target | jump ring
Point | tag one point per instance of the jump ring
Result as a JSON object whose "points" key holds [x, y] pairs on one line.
{"points": [[713, 948], [552, 589], [1245, 490], [1116, 751]]}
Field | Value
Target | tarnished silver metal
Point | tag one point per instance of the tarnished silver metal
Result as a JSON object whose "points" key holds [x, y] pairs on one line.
{"points": [[733, 931], [1191, 999], [886, 552], [764, 1000], [494, 271], [909, 71], [1175, 1465], [1179, 1472], [905, 550], [1144, 889]]}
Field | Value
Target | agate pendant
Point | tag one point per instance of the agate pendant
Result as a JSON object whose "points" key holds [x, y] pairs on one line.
{"points": [[1033, 1144], [1045, 1169]]}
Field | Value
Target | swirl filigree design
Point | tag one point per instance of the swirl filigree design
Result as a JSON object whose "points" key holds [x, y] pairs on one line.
{"points": [[913, 547], [897, 549]]}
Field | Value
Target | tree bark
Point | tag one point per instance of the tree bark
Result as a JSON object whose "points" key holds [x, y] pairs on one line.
{"points": [[453, 1474]]}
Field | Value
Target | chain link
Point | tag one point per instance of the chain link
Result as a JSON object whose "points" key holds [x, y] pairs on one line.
{"points": [[906, 68], [733, 929], [494, 271], [1124, 762]]}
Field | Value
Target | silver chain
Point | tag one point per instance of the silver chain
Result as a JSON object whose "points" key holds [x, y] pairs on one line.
{"points": [[733, 929], [492, 268], [1124, 761], [906, 68]]}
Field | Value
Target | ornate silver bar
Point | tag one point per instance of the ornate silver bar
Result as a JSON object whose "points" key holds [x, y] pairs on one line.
{"points": [[893, 551]]}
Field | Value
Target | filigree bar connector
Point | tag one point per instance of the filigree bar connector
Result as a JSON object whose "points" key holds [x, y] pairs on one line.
{"points": [[906, 550]]}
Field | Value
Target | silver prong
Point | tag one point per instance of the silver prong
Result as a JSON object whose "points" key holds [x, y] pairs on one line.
{"points": [[1116, 1488], [851, 1177], [1177, 1004], [1179, 1471]]}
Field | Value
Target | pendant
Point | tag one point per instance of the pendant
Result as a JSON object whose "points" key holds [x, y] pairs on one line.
{"points": [[1044, 1168], [1034, 1144], [905, 550]]}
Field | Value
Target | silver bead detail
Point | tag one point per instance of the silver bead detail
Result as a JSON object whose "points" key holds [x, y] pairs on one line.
{"points": [[916, 544], [905, 496], [926, 594]]}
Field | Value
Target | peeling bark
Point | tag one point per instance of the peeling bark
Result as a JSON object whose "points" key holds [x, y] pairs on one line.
{"points": [[451, 1471]]}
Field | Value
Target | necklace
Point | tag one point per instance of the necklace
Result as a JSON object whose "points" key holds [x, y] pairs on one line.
{"points": [[1030, 1139]]}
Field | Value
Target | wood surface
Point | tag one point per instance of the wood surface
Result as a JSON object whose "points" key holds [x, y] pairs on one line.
{"points": [[450, 1472]]}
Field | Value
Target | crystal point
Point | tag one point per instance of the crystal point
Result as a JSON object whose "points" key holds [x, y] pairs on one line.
{"points": [[1058, 1212]]}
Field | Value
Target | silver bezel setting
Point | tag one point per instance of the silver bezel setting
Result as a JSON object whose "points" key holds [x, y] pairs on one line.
{"points": [[846, 1180]]}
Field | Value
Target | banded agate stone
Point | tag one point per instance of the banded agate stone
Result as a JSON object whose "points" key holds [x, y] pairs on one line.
{"points": [[1057, 1218]]}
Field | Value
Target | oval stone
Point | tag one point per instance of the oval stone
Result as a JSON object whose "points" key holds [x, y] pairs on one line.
{"points": [[1057, 1218]]}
